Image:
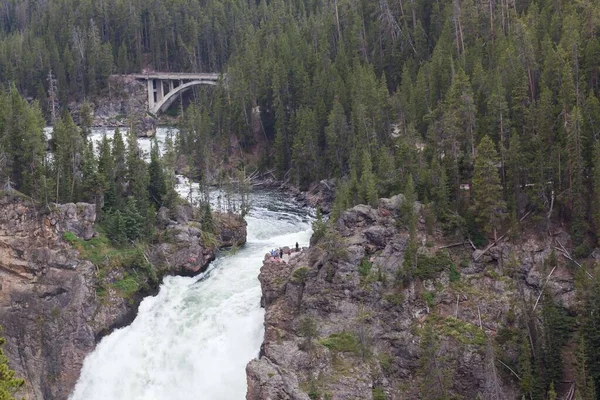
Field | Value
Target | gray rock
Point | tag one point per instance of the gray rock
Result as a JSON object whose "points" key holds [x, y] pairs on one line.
{"points": [[76, 218]]}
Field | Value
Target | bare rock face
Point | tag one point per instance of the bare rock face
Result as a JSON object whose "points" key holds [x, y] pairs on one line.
{"points": [[76, 218], [126, 97], [48, 304], [341, 325]]}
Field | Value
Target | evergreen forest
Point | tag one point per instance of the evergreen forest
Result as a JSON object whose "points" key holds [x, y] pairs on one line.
{"points": [[485, 111]]}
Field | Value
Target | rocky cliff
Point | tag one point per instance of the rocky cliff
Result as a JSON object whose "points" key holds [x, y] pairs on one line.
{"points": [[55, 305], [344, 321], [125, 99]]}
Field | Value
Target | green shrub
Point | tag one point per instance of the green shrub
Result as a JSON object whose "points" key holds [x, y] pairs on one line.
{"points": [[429, 298], [454, 274], [208, 239], [581, 251], [319, 228], [379, 394], [342, 342], [127, 286], [300, 275], [395, 298], [429, 266], [364, 269]]}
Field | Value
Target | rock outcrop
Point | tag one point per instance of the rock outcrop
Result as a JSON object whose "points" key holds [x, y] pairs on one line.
{"points": [[319, 195], [55, 306], [186, 248], [126, 99], [343, 321]]}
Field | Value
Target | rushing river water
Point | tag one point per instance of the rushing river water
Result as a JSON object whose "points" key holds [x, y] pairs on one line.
{"points": [[144, 143], [193, 340]]}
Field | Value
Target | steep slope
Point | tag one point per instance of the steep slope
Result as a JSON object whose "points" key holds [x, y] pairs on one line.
{"points": [[343, 321]]}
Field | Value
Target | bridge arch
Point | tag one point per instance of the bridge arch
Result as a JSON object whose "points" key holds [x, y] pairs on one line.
{"points": [[170, 97]]}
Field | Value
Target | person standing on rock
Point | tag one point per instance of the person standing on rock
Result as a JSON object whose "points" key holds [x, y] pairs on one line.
{"points": [[297, 247], [281, 253]]}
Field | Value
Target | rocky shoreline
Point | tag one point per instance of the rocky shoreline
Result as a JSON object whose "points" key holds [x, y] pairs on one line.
{"points": [[55, 306]]}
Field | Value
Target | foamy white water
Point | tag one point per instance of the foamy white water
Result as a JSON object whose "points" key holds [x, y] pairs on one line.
{"points": [[193, 340], [144, 143]]}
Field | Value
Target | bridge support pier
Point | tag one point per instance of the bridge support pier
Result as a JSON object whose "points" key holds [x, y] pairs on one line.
{"points": [[151, 95]]}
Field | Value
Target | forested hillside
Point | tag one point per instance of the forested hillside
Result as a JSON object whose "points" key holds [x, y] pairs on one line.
{"points": [[484, 110]]}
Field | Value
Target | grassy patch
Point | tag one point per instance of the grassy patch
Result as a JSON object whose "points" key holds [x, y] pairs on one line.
{"points": [[127, 286], [97, 250], [106, 257], [454, 275], [463, 331], [342, 342]]}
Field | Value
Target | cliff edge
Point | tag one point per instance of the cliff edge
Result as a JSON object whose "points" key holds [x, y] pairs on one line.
{"points": [[344, 320]]}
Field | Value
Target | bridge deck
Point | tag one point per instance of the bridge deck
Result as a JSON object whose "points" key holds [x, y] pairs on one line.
{"points": [[177, 76]]}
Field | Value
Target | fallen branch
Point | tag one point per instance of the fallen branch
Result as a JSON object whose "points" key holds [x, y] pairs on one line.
{"points": [[457, 297], [472, 245], [510, 369], [566, 254], [543, 286], [500, 238], [452, 245], [490, 246]]}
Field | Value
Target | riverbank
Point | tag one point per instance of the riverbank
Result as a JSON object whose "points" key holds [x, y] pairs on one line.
{"points": [[195, 337]]}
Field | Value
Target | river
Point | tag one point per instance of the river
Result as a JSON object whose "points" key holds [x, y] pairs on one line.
{"points": [[193, 339]]}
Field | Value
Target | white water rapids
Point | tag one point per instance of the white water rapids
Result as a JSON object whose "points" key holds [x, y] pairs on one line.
{"points": [[194, 339]]}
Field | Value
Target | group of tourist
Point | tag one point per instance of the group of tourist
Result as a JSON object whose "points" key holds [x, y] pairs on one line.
{"points": [[277, 253]]}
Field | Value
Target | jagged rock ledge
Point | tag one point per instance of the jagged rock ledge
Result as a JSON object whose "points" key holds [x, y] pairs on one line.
{"points": [[51, 310], [339, 326]]}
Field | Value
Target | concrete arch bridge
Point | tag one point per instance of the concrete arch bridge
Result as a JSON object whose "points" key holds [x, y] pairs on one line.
{"points": [[166, 87]]}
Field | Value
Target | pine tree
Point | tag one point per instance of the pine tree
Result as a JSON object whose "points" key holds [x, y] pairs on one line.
{"points": [[86, 119], [68, 154], [552, 392], [208, 224], [584, 384], [342, 199], [596, 190], [434, 371], [9, 383], [368, 185], [336, 135], [106, 172], [575, 177], [137, 188], [525, 368], [555, 334], [133, 220], [157, 187], [116, 229], [120, 167], [488, 205]]}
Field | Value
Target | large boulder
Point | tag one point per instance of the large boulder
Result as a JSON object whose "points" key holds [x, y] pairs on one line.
{"points": [[76, 218]]}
